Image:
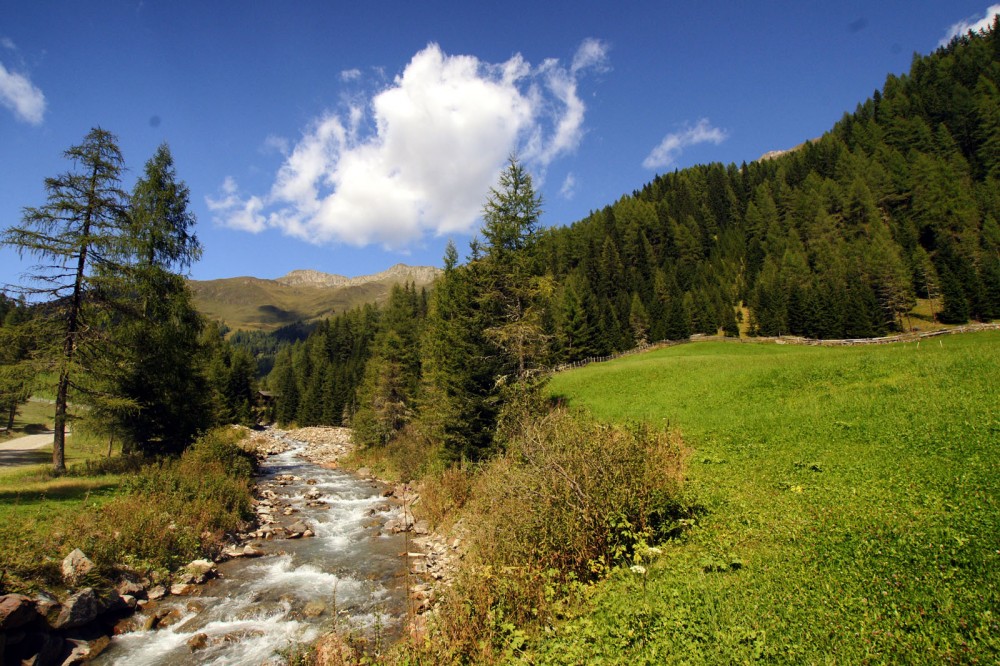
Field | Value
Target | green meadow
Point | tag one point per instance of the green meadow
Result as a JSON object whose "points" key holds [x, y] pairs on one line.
{"points": [[846, 503]]}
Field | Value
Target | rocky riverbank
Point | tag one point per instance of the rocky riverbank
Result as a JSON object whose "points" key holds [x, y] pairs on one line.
{"points": [[78, 624]]}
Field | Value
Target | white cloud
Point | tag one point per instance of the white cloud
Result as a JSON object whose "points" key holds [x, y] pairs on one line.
{"points": [[350, 75], [8, 43], [238, 213], [275, 143], [21, 96], [592, 53], [972, 23], [674, 144], [568, 188], [420, 156]]}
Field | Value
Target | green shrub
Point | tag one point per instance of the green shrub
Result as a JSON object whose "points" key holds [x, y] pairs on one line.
{"points": [[577, 496]]}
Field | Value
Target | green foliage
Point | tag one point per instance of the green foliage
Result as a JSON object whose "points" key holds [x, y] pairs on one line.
{"points": [[151, 389], [316, 380]]}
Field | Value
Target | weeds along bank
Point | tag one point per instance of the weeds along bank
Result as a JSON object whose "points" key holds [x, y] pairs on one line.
{"points": [[851, 507], [129, 515], [568, 501]]}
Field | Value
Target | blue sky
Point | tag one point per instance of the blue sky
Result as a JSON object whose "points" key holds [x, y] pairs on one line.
{"points": [[346, 137]]}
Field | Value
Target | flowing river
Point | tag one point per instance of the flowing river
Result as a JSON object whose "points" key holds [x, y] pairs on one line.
{"points": [[348, 576]]}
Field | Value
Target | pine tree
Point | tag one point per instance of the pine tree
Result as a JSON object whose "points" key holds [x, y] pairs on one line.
{"points": [[154, 393]]}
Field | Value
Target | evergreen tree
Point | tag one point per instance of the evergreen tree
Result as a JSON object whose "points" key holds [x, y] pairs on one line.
{"points": [[155, 394]]}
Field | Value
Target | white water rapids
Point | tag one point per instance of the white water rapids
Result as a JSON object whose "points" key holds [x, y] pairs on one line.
{"points": [[350, 576]]}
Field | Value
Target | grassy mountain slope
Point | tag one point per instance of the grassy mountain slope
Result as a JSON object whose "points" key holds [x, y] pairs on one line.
{"points": [[851, 506], [250, 303]]}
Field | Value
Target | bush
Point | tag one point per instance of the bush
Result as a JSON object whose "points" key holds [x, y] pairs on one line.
{"points": [[568, 500], [577, 496]]}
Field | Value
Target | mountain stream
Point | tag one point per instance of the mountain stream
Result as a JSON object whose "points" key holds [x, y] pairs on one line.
{"points": [[348, 576]]}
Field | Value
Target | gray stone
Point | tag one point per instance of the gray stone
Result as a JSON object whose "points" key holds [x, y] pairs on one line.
{"points": [[201, 570], [80, 609], [76, 566]]}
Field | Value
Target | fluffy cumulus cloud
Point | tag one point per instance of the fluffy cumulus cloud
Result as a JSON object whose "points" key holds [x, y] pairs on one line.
{"points": [[667, 152], [973, 23], [420, 156], [20, 95]]}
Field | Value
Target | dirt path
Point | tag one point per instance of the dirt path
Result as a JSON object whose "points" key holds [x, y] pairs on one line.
{"points": [[25, 450]]}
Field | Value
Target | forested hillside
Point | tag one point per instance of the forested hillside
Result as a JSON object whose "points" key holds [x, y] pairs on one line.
{"points": [[900, 200]]}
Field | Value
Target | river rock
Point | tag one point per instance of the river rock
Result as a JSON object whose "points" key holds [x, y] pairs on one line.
{"points": [[296, 529], [250, 550], [397, 525], [131, 587], [197, 642], [156, 593], [201, 571], [183, 589], [16, 610], [84, 651], [80, 609], [314, 608], [76, 566], [47, 606]]}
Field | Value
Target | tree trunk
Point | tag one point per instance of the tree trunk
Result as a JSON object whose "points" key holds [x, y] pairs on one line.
{"points": [[10, 417], [72, 329], [59, 437]]}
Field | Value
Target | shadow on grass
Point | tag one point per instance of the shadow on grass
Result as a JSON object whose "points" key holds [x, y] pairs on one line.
{"points": [[63, 490]]}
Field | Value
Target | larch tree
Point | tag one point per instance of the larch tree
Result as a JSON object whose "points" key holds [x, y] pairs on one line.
{"points": [[79, 237]]}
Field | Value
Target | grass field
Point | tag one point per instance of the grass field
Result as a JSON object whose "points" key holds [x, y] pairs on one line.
{"points": [[850, 506]]}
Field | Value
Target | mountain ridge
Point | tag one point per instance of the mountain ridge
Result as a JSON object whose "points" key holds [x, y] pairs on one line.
{"points": [[253, 303]]}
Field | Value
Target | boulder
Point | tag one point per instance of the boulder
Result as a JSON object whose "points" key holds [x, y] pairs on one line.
{"points": [[48, 607], [16, 610], [183, 589], [131, 587], [76, 566], [401, 524], [296, 529], [156, 593], [80, 609]]}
